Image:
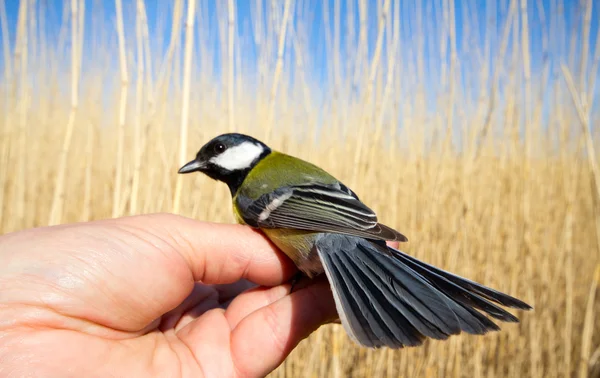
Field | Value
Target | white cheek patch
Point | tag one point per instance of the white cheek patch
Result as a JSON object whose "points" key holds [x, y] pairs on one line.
{"points": [[238, 157]]}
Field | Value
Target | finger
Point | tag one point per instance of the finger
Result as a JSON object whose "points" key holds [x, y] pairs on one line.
{"points": [[218, 253], [276, 329], [252, 300], [208, 339]]}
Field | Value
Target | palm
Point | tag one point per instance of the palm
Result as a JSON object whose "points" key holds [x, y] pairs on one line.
{"points": [[179, 342]]}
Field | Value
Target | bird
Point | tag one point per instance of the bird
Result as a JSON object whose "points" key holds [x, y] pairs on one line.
{"points": [[383, 296]]}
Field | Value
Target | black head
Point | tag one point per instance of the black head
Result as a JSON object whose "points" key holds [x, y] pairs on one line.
{"points": [[228, 158]]}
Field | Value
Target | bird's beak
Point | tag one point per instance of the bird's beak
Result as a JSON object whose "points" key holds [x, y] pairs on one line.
{"points": [[192, 166]]}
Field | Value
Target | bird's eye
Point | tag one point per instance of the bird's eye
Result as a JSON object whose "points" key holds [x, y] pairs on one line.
{"points": [[219, 147]]}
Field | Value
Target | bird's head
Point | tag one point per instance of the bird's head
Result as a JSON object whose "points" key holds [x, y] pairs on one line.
{"points": [[228, 158]]}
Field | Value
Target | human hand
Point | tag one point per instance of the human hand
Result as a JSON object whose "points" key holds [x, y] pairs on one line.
{"points": [[153, 295]]}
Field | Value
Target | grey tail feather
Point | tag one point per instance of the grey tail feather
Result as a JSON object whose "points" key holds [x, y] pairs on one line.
{"points": [[387, 298]]}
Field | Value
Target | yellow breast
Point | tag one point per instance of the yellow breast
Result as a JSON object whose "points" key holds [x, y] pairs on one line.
{"points": [[298, 246]]}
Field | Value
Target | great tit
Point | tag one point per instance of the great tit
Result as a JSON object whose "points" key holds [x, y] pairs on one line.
{"points": [[383, 296]]}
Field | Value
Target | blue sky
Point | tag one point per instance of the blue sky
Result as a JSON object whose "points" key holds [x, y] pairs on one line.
{"points": [[101, 16]]}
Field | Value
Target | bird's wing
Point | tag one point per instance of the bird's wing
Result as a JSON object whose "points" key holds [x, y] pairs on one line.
{"points": [[315, 207]]}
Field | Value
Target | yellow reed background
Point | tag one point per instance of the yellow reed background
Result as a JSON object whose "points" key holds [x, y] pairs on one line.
{"points": [[501, 187]]}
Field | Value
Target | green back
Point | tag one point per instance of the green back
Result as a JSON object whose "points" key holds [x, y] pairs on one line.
{"points": [[277, 170]]}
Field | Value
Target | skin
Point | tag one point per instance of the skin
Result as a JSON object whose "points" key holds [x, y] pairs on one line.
{"points": [[152, 295]]}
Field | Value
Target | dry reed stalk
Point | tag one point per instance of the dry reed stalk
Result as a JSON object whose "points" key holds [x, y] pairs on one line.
{"points": [[258, 26], [585, 48], [222, 10], [150, 90], [230, 65], [187, 83], [594, 70], [162, 81], [362, 48], [450, 106], [21, 50], [331, 52], [335, 353], [574, 36], [444, 22], [139, 97], [147, 56], [43, 40], [32, 33], [81, 35], [5, 44], [534, 357], [350, 43], [391, 67], [86, 213], [340, 99], [298, 49], [239, 84], [570, 185], [63, 35], [588, 326], [568, 250], [258, 23], [278, 67], [584, 117], [4, 150], [59, 184], [337, 70], [479, 141], [367, 99], [594, 365], [420, 31], [449, 15], [118, 190]]}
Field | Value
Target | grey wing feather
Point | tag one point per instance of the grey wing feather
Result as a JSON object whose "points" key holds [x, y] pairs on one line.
{"points": [[384, 299], [316, 207]]}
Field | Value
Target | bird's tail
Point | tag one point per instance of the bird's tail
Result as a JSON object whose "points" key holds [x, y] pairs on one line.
{"points": [[387, 298]]}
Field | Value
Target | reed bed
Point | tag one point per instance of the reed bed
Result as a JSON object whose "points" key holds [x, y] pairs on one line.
{"points": [[485, 159]]}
